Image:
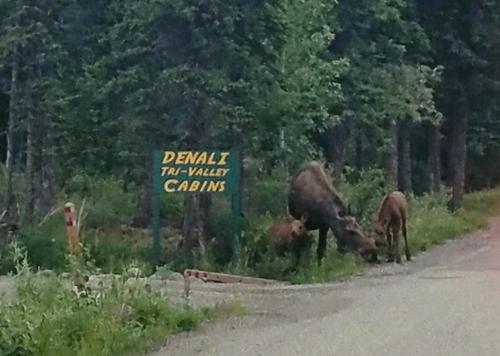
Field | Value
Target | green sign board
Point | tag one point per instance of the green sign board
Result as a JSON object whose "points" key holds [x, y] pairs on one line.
{"points": [[195, 172]]}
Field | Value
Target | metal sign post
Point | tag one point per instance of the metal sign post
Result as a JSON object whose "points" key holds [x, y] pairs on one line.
{"points": [[156, 207], [235, 202]]}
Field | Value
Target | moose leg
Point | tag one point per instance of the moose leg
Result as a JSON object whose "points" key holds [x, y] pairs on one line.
{"points": [[395, 236], [390, 253], [407, 249], [322, 244]]}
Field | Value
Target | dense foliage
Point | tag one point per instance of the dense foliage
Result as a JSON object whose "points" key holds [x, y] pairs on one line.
{"points": [[391, 93]]}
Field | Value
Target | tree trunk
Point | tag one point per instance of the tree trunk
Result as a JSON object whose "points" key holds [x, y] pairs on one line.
{"points": [[405, 159], [47, 194], [205, 207], [460, 155], [196, 209], [450, 155], [391, 161], [143, 211], [434, 164], [193, 226], [336, 150], [9, 164], [30, 161], [283, 149], [358, 150]]}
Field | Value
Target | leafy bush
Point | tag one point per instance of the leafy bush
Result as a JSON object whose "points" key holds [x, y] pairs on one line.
{"points": [[266, 196], [46, 244], [113, 250], [47, 318], [107, 204], [222, 225], [256, 258], [364, 194], [7, 262], [172, 209], [431, 223]]}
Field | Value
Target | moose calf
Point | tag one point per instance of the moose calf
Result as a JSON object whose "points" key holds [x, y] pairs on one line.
{"points": [[390, 221], [288, 236]]}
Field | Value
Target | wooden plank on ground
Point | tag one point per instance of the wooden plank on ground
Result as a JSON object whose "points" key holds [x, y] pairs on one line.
{"points": [[228, 278]]}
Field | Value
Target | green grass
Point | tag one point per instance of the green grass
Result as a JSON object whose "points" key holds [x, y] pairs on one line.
{"points": [[335, 266], [112, 250], [47, 318], [430, 224]]}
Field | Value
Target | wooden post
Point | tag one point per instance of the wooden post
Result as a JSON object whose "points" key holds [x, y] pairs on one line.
{"points": [[71, 228]]}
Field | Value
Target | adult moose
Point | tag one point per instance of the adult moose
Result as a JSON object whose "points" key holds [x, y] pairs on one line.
{"points": [[390, 221], [312, 197]]}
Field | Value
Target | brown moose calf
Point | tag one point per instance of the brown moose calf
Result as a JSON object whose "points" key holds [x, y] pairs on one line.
{"points": [[288, 236], [390, 221]]}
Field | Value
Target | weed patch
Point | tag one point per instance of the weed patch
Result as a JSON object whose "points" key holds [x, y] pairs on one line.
{"points": [[48, 318]]}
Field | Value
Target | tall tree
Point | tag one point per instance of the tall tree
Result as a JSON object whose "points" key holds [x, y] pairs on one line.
{"points": [[461, 36], [35, 46], [385, 47], [195, 63]]}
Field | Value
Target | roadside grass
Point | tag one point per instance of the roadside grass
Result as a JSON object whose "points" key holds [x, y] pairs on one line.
{"points": [[113, 248], [430, 224], [335, 266], [48, 318]]}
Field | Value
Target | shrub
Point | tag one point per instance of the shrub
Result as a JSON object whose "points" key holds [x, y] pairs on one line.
{"points": [[222, 225], [172, 209], [7, 263], [431, 223], [47, 318], [112, 250], [266, 196], [46, 244], [107, 203], [364, 193]]}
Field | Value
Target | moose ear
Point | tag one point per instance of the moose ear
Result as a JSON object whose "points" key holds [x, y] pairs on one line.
{"points": [[350, 222], [303, 218]]}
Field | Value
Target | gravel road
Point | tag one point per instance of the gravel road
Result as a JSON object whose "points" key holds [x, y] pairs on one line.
{"points": [[445, 302]]}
